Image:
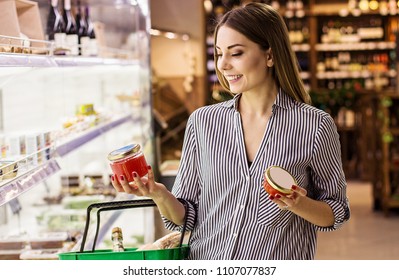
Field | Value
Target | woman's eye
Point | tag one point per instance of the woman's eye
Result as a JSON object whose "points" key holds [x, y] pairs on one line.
{"points": [[237, 54]]}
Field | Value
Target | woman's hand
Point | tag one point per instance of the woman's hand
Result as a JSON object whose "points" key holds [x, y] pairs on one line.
{"points": [[168, 205], [290, 201], [145, 186]]}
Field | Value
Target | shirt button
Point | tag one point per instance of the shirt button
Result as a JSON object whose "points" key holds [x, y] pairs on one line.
{"points": [[235, 235], [247, 178], [242, 206]]}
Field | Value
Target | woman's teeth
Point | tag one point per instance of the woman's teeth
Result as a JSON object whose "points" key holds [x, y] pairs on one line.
{"points": [[233, 77]]}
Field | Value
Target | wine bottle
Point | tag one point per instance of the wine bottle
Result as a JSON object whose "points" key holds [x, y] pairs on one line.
{"points": [[81, 30], [55, 26], [91, 33], [72, 39]]}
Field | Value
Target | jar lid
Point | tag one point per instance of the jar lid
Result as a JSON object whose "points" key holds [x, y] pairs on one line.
{"points": [[280, 179], [124, 152]]}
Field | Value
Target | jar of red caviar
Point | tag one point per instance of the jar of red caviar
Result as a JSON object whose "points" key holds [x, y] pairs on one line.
{"points": [[278, 181], [125, 160]]}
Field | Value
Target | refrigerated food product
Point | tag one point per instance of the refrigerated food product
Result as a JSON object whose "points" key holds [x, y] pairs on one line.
{"points": [[8, 169], [126, 160], [45, 254], [278, 181], [12, 243], [48, 240]]}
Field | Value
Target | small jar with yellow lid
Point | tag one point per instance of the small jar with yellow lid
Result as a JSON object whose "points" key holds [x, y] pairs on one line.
{"points": [[125, 160], [278, 181]]}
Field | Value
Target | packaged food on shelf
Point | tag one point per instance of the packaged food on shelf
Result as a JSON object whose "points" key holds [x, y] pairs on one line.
{"points": [[62, 220], [85, 109], [8, 169], [12, 242], [45, 254], [12, 246], [10, 254], [94, 184], [48, 240], [70, 184], [81, 201]]}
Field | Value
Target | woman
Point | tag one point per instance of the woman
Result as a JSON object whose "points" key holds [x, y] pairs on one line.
{"points": [[228, 146]]}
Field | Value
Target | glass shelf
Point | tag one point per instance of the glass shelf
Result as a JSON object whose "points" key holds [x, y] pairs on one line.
{"points": [[78, 140], [11, 188], [29, 60], [22, 183]]}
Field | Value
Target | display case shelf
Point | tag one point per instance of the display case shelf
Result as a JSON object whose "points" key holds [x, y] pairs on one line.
{"points": [[86, 136], [27, 180], [29, 60]]}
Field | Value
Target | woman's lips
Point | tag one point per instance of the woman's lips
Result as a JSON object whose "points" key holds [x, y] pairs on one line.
{"points": [[232, 78]]}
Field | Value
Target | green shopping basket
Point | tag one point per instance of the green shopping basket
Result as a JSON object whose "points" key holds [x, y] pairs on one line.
{"points": [[179, 253]]}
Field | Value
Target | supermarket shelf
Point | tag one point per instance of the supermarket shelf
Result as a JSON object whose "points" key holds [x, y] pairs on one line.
{"points": [[86, 136], [31, 60], [11, 189], [353, 74], [25, 60], [357, 46], [91, 61], [301, 47]]}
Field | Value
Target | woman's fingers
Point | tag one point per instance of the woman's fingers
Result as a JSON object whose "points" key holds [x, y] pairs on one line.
{"points": [[300, 191], [150, 173], [115, 184], [139, 184], [283, 202]]}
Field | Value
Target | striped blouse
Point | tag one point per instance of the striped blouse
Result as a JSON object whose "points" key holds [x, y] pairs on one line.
{"points": [[229, 212]]}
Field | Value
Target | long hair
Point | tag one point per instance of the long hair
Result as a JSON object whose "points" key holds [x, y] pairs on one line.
{"points": [[264, 26]]}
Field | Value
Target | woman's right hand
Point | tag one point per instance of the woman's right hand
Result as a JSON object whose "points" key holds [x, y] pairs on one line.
{"points": [[144, 186], [168, 205]]}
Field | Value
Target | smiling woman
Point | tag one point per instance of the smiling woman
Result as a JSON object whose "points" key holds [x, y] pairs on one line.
{"points": [[285, 71], [228, 146]]}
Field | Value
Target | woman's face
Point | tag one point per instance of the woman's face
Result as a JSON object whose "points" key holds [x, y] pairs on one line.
{"points": [[241, 61]]}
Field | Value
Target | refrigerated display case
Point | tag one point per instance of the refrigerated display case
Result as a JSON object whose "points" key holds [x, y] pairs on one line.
{"points": [[61, 113]]}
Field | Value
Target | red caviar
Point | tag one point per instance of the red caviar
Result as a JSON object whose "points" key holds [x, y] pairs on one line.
{"points": [[126, 160]]}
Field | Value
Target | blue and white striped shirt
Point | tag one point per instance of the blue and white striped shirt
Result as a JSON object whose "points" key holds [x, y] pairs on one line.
{"points": [[229, 213]]}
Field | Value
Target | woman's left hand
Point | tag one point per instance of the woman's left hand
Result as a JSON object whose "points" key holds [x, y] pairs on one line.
{"points": [[289, 202]]}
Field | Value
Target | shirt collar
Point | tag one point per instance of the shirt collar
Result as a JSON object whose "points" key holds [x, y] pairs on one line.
{"points": [[283, 100]]}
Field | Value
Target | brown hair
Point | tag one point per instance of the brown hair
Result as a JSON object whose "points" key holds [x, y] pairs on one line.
{"points": [[264, 26]]}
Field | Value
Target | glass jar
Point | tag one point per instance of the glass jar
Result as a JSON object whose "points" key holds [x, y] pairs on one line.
{"points": [[125, 160], [278, 181]]}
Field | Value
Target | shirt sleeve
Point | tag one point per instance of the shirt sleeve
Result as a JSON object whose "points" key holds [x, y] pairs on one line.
{"points": [[327, 173], [186, 185]]}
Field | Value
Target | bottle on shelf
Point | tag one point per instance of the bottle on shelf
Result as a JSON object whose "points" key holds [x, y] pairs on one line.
{"points": [[72, 39], [82, 30], [55, 26], [91, 33]]}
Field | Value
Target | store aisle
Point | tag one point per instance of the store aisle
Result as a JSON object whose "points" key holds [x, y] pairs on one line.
{"points": [[369, 235]]}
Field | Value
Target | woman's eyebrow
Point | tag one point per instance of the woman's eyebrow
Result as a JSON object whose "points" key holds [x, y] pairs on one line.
{"points": [[232, 46]]}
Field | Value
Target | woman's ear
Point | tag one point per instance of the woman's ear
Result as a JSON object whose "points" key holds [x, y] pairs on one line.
{"points": [[269, 58]]}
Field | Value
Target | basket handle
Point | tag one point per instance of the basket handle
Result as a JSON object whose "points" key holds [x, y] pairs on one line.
{"points": [[119, 205]]}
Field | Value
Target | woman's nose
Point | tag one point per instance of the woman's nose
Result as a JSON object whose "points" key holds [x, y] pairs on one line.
{"points": [[223, 63]]}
